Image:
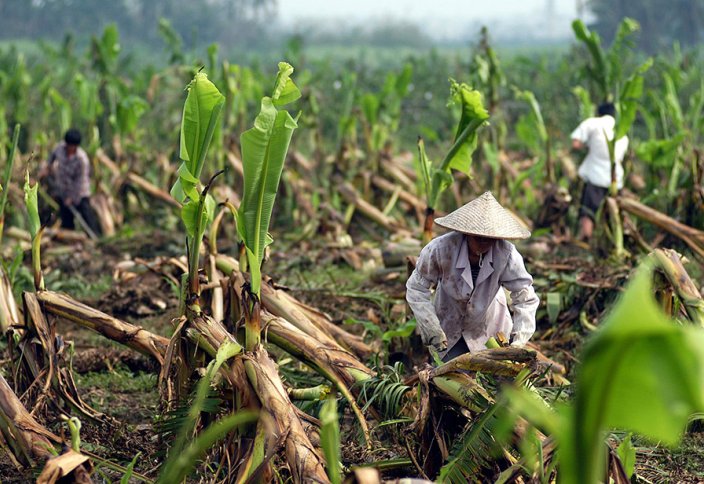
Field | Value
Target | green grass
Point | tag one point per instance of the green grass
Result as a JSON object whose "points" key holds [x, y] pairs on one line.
{"points": [[78, 286], [126, 396]]}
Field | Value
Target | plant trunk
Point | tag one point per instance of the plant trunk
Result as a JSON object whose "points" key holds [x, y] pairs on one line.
{"points": [[616, 227], [692, 237], [304, 460], [27, 439], [44, 362], [671, 265], [428, 225], [9, 315], [306, 464], [352, 197], [127, 334], [306, 319]]}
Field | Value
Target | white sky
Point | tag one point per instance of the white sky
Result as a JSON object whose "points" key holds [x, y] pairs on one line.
{"points": [[291, 11]]}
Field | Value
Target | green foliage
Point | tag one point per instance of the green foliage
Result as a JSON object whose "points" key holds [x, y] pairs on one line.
{"points": [[403, 331], [264, 148], [375, 332], [473, 115], [125, 479], [472, 451], [7, 175], [627, 454], [173, 41], [531, 128], [106, 50], [183, 456], [129, 110], [640, 371], [200, 118], [330, 439], [660, 153], [200, 115], [630, 99], [385, 390], [586, 107], [554, 304], [30, 201], [179, 465], [599, 71], [606, 69]]}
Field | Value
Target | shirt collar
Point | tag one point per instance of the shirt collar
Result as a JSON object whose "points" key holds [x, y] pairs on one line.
{"points": [[462, 260]]}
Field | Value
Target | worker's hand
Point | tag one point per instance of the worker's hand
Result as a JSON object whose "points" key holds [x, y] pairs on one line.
{"points": [[68, 201], [434, 336]]}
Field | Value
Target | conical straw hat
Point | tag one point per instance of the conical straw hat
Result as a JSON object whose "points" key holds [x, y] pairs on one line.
{"points": [[484, 216]]}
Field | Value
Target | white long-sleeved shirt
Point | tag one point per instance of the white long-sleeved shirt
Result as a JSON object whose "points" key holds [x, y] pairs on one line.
{"points": [[596, 167], [462, 310]]}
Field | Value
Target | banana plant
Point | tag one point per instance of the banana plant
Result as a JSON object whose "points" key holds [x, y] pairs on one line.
{"points": [[35, 230], [264, 148], [612, 390], [382, 112], [488, 70], [532, 131], [436, 179], [7, 175], [201, 112], [606, 69], [173, 41], [627, 105]]}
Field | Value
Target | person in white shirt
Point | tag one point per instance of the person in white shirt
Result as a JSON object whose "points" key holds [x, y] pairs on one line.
{"points": [[595, 170], [468, 270]]}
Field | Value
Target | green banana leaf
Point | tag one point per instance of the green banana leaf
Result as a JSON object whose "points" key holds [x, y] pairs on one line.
{"points": [[200, 115], [660, 153], [537, 115], [129, 110], [330, 439], [629, 100], [264, 148], [473, 116], [600, 70], [30, 201], [586, 107], [459, 157], [424, 169], [640, 372]]}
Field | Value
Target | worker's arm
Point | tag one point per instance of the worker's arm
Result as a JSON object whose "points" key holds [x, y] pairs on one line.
{"points": [[418, 295], [523, 298], [577, 145], [46, 166]]}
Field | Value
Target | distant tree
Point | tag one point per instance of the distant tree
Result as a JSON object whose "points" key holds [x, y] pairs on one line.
{"points": [[662, 21], [199, 22]]}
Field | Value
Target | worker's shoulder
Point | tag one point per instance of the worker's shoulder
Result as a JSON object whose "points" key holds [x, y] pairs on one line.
{"points": [[447, 242]]}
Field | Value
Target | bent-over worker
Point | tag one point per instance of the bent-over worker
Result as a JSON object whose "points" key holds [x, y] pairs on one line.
{"points": [[67, 172], [468, 270]]}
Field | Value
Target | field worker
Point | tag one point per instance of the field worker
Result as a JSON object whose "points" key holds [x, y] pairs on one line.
{"points": [[468, 269], [595, 170], [67, 172]]}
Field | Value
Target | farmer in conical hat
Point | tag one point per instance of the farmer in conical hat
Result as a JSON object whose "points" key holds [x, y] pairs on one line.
{"points": [[469, 268]]}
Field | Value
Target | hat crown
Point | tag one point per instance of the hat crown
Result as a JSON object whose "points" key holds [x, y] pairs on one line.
{"points": [[485, 217]]}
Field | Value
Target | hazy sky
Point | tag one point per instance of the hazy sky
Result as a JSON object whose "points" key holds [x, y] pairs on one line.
{"points": [[468, 10]]}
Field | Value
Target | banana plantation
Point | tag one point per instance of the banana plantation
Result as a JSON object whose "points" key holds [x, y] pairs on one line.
{"points": [[230, 305]]}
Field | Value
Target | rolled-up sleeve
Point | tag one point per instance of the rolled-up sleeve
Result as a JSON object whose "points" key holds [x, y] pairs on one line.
{"points": [[523, 297], [581, 133], [419, 289]]}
